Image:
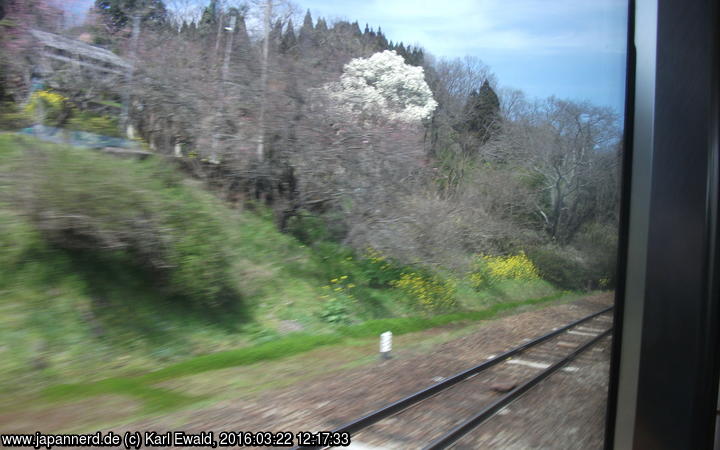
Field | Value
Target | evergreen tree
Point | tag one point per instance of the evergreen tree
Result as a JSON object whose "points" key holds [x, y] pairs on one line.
{"points": [[209, 15], [413, 55], [243, 55], [308, 21], [340, 26], [321, 26], [276, 33], [307, 31], [418, 57], [382, 42], [188, 30], [117, 14], [482, 113], [289, 41]]}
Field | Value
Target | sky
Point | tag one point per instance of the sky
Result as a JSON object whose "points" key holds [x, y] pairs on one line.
{"points": [[572, 49]]}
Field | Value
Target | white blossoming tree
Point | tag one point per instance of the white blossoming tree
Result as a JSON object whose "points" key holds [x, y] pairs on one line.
{"points": [[384, 85]]}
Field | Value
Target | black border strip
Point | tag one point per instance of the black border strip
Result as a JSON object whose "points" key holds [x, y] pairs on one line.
{"points": [[623, 227]]}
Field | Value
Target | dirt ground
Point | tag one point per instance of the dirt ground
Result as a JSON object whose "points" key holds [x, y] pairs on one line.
{"points": [[565, 412]]}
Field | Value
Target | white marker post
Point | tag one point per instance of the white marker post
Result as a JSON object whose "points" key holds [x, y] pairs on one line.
{"points": [[385, 345]]}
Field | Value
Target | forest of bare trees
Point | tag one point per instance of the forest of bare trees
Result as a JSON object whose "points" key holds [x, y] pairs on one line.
{"points": [[260, 100]]}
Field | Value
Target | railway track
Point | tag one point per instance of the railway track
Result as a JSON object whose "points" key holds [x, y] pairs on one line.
{"points": [[458, 404]]}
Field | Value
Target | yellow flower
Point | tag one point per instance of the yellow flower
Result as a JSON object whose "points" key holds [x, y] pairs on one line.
{"points": [[490, 269]]}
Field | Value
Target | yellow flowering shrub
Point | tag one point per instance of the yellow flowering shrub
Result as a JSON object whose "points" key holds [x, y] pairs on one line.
{"points": [[491, 269], [374, 255], [50, 104], [379, 270], [429, 293]]}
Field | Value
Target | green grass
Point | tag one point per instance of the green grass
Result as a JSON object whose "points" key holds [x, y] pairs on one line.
{"points": [[194, 287], [280, 348], [153, 399], [156, 399], [298, 343], [504, 291]]}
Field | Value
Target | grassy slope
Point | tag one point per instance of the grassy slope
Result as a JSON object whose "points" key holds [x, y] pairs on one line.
{"points": [[103, 322], [77, 313]]}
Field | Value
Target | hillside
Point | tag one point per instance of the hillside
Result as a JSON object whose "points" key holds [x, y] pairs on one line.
{"points": [[117, 267]]}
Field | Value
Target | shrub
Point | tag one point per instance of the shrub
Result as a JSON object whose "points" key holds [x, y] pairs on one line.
{"points": [[85, 201], [429, 293], [52, 107], [307, 228], [12, 118], [379, 270], [103, 125], [337, 299], [563, 267], [589, 263], [335, 312], [16, 238], [598, 243], [332, 260], [491, 269], [57, 110]]}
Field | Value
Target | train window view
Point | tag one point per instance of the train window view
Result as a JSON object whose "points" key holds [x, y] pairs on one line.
{"points": [[309, 223]]}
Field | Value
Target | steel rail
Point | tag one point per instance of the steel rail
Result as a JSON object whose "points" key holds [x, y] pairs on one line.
{"points": [[465, 427], [410, 400]]}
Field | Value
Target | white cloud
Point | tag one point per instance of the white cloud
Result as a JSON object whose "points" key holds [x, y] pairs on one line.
{"points": [[450, 28]]}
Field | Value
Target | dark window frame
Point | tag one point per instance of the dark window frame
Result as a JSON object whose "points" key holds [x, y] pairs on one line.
{"points": [[665, 365]]}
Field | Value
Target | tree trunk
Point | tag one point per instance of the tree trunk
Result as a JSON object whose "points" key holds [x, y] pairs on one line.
{"points": [[264, 80]]}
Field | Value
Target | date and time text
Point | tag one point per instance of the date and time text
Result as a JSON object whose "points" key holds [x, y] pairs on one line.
{"points": [[142, 439]]}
